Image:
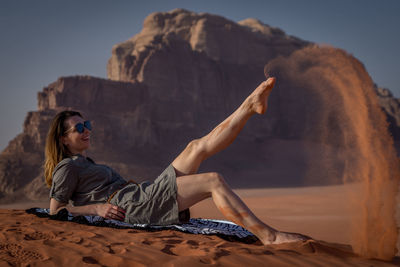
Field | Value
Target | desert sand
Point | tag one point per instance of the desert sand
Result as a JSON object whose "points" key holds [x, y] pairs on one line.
{"points": [[320, 212]]}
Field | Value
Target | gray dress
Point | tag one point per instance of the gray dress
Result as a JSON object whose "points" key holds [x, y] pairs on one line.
{"points": [[82, 182]]}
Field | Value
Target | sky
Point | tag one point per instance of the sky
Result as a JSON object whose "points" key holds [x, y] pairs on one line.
{"points": [[42, 40]]}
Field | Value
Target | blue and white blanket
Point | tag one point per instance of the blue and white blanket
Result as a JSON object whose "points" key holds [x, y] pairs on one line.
{"points": [[224, 229]]}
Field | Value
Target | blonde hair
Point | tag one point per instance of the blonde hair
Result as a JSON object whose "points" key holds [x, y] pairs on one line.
{"points": [[55, 150]]}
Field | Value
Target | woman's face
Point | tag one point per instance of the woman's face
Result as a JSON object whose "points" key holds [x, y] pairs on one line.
{"points": [[76, 142]]}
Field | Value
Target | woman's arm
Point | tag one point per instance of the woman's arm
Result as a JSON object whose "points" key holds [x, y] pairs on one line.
{"points": [[105, 210], [55, 206]]}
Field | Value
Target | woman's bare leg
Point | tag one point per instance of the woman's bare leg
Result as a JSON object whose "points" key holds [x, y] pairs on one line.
{"points": [[188, 162], [194, 188]]}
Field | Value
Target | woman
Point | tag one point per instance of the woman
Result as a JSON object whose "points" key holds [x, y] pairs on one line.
{"points": [[98, 190]]}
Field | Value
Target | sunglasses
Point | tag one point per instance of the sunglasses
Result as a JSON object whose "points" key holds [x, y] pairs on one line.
{"points": [[80, 127]]}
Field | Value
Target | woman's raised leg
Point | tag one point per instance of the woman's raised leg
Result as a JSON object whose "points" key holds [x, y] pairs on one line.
{"points": [[196, 187], [188, 162], [193, 188]]}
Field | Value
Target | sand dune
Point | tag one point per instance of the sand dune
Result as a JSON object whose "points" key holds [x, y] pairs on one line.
{"points": [[315, 211]]}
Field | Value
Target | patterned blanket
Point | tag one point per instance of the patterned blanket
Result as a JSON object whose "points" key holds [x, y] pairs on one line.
{"points": [[224, 229]]}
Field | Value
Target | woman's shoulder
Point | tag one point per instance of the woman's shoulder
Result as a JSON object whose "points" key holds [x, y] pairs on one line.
{"points": [[76, 162]]}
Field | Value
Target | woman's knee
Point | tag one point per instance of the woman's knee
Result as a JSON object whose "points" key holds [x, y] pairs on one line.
{"points": [[216, 180], [196, 146]]}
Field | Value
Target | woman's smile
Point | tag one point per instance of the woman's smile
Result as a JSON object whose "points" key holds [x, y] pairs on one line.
{"points": [[77, 138]]}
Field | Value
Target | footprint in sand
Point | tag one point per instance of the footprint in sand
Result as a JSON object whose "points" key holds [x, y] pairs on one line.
{"points": [[172, 244], [85, 234], [38, 236], [174, 241], [172, 235], [193, 248], [192, 243], [12, 230], [75, 240], [167, 250], [147, 242], [90, 260], [15, 254], [117, 248], [206, 255]]}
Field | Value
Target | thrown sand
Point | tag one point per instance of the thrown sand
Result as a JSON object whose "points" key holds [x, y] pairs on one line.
{"points": [[316, 211]]}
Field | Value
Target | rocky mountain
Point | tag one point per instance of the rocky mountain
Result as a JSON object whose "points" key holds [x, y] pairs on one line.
{"points": [[183, 74], [391, 107]]}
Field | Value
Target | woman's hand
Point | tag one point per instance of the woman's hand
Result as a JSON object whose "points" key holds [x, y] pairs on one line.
{"points": [[106, 210], [110, 211]]}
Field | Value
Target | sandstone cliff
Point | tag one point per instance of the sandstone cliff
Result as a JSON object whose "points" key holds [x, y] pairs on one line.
{"points": [[182, 75], [391, 107]]}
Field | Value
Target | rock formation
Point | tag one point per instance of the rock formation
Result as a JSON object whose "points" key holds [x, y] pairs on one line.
{"points": [[182, 75], [391, 107]]}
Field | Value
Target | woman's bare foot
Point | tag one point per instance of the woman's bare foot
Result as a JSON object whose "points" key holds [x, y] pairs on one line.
{"points": [[274, 238], [284, 237], [257, 101]]}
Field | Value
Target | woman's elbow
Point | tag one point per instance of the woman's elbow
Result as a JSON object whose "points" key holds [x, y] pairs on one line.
{"points": [[55, 206]]}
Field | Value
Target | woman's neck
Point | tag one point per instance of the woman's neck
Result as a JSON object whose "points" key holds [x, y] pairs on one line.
{"points": [[75, 153]]}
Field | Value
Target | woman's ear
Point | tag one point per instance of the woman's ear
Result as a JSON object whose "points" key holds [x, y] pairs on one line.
{"points": [[63, 140]]}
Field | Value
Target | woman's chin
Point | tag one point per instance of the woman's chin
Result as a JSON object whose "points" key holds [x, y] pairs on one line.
{"points": [[86, 146]]}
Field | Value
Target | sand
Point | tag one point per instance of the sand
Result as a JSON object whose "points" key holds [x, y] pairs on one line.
{"points": [[320, 212]]}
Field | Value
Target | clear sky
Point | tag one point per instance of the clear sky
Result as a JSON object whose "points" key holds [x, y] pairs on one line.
{"points": [[42, 40]]}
